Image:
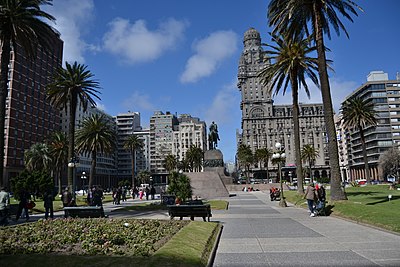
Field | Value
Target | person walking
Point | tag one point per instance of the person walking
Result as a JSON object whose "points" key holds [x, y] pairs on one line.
{"points": [[4, 205], [67, 201], [48, 199], [24, 197], [310, 195], [152, 192]]}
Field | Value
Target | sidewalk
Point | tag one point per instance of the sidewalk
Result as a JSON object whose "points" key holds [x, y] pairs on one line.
{"points": [[257, 232]]}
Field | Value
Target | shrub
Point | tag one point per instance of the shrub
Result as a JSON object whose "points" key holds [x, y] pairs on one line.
{"points": [[179, 185]]}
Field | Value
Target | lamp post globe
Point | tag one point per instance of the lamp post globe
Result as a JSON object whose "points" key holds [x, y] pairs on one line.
{"points": [[280, 156]]}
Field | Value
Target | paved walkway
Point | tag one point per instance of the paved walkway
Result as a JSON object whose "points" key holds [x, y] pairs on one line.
{"points": [[257, 232]]}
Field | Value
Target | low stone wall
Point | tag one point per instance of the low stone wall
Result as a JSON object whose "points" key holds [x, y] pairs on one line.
{"points": [[261, 187]]}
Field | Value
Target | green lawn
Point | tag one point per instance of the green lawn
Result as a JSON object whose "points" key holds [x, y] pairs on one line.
{"points": [[369, 204]]}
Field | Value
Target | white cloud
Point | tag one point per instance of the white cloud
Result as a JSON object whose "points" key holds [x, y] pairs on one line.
{"points": [[209, 53], [138, 101], [100, 106], [223, 105], [72, 18], [135, 43], [339, 91]]}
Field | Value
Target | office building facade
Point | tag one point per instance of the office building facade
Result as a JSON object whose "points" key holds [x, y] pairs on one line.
{"points": [[29, 117], [385, 94]]}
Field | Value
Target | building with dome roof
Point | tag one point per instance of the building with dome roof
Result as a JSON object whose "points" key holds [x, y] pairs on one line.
{"points": [[263, 124]]}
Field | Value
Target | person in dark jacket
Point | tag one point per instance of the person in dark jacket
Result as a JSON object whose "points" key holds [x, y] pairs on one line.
{"points": [[48, 199], [24, 197]]}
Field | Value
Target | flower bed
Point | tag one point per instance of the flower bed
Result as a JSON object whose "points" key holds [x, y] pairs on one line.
{"points": [[129, 237]]}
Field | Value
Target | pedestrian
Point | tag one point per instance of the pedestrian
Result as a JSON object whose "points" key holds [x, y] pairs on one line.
{"points": [[48, 199], [152, 192], [89, 197], [97, 197], [67, 201], [24, 198], [4, 206], [141, 194], [311, 196], [124, 191], [119, 195], [147, 192]]}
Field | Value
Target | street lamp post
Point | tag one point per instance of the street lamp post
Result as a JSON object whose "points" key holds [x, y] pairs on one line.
{"points": [[279, 155], [73, 163], [83, 177]]}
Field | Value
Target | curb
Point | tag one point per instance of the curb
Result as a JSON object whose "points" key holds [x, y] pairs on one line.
{"points": [[211, 259]]}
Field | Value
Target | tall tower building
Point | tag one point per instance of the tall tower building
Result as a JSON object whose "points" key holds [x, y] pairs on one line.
{"points": [[264, 124], [127, 124], [29, 118], [385, 94], [161, 142]]}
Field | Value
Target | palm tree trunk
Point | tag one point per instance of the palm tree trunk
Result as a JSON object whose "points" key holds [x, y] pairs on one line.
{"points": [[71, 137], [133, 167], [5, 60], [92, 168], [337, 192], [296, 124], [59, 180], [365, 156]]}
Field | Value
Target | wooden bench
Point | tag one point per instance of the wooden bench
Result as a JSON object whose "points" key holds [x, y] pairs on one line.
{"points": [[84, 212], [190, 210]]}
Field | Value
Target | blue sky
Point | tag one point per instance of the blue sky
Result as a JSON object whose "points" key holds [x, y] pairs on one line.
{"points": [[182, 56]]}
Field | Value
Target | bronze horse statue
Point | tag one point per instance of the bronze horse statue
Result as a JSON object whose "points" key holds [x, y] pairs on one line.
{"points": [[213, 137]]}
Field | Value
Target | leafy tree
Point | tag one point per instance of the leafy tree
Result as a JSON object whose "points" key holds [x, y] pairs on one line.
{"points": [[184, 165], [133, 144], [179, 185], [21, 22], [38, 157], [36, 182], [263, 155], [246, 158], [72, 86], [291, 63], [195, 155], [293, 17], [309, 154], [58, 144], [389, 162], [97, 135], [171, 162], [360, 114]]}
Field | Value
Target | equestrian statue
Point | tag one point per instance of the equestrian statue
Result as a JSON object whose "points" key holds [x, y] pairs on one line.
{"points": [[213, 136]]}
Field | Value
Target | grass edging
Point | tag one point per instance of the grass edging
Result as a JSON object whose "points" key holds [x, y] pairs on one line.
{"points": [[191, 246]]}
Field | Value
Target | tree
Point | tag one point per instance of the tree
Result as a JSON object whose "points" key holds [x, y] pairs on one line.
{"points": [[171, 163], [133, 144], [184, 165], [360, 114], [58, 144], [37, 182], [309, 154], [293, 17], [144, 177], [246, 158], [389, 163], [72, 86], [291, 64], [97, 135], [179, 185], [21, 22], [38, 157], [194, 156], [263, 155]]}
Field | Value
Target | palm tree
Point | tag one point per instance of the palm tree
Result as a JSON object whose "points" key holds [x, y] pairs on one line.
{"points": [[263, 155], [133, 143], [144, 177], [195, 155], [184, 165], [171, 163], [293, 17], [59, 152], [38, 157], [97, 135], [360, 114], [72, 86], [246, 158], [23, 23], [291, 64], [309, 154]]}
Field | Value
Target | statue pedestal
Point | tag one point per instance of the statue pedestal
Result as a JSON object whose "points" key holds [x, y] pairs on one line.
{"points": [[213, 159]]}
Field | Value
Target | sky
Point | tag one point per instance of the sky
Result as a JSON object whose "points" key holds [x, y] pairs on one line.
{"points": [[182, 56]]}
